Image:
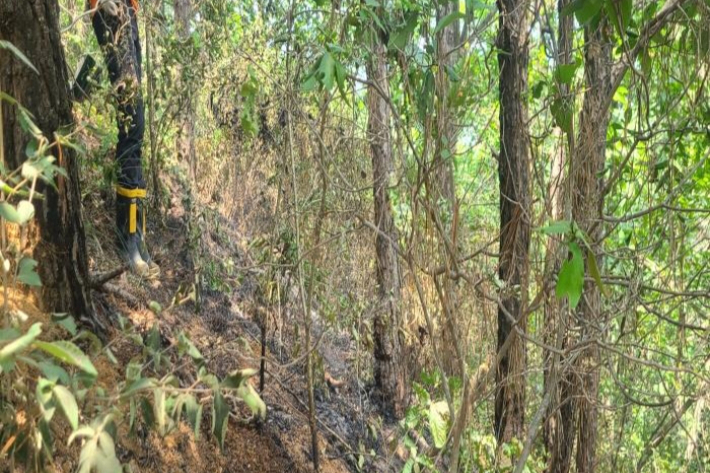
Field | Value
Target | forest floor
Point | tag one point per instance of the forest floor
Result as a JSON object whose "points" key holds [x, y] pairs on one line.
{"points": [[226, 332]]}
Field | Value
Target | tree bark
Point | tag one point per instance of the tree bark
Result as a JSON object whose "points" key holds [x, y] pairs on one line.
{"points": [[587, 205], [445, 189], [515, 202], [389, 367], [559, 425], [33, 27]]}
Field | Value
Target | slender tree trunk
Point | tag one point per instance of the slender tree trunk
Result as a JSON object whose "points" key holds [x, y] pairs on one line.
{"points": [[559, 425], [445, 190], [587, 204], [514, 177], [389, 368], [33, 27], [186, 139]]}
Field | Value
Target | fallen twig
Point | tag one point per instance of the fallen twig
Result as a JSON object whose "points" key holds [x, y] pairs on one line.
{"points": [[99, 279]]}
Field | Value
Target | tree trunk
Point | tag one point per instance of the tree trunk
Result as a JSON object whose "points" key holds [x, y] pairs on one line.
{"points": [[389, 368], [445, 190], [559, 425], [32, 26], [515, 202], [587, 204], [186, 139]]}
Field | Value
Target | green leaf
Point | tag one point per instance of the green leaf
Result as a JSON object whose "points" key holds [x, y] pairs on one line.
{"points": [[159, 409], [235, 379], [26, 272], [400, 37], [220, 416], [561, 110], [141, 384], [594, 271], [252, 399], [571, 278], [564, 73], [21, 343], [620, 13], [8, 334], [155, 307], [68, 405], [193, 412], [584, 10], [185, 345], [447, 20], [68, 353], [559, 227], [9, 213], [11, 47], [66, 321], [53, 372], [26, 210], [438, 412], [43, 393]]}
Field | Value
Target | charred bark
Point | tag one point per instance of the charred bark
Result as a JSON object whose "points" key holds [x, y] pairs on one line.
{"points": [[33, 27], [389, 368], [514, 177]]}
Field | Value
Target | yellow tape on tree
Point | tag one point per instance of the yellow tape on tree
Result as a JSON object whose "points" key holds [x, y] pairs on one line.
{"points": [[133, 213], [131, 193]]}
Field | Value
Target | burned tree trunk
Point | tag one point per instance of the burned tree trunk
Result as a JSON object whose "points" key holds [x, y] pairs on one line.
{"points": [[33, 27], [514, 176], [389, 369]]}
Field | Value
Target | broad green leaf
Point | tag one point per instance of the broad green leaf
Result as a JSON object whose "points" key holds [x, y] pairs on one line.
{"points": [[564, 73], [584, 10], [438, 414], [43, 393], [252, 399], [236, 378], [66, 321], [559, 227], [185, 345], [220, 416], [400, 37], [447, 20], [561, 110], [193, 412], [327, 71], [571, 278], [21, 343], [66, 401], [68, 353], [53, 372], [26, 273], [9, 213], [7, 334], [13, 49], [620, 12]]}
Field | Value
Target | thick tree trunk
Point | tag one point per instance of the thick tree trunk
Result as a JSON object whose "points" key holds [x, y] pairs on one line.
{"points": [[514, 176], [186, 139], [32, 26], [389, 367]]}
